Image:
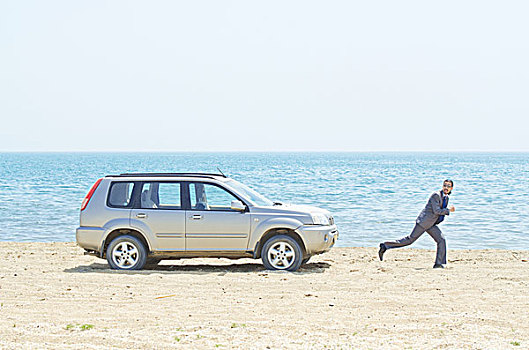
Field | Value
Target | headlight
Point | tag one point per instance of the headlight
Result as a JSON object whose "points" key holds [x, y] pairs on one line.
{"points": [[320, 219]]}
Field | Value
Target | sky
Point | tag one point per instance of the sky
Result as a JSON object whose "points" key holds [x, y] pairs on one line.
{"points": [[264, 75]]}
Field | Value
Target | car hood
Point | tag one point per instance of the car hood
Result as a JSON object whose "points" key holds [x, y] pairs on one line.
{"points": [[293, 209]]}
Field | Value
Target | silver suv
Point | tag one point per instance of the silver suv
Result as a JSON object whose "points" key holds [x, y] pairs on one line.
{"points": [[136, 220]]}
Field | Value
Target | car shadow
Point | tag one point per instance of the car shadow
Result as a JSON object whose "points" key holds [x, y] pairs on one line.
{"points": [[199, 269]]}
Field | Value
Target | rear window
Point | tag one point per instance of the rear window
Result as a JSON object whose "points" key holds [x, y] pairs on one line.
{"points": [[120, 194]]}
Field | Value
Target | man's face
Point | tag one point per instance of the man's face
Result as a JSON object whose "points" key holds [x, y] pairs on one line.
{"points": [[447, 187]]}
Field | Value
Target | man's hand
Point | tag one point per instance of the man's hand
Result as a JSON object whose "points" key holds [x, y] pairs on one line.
{"points": [[452, 208]]}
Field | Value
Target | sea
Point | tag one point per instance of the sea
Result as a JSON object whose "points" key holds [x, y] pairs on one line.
{"points": [[373, 196]]}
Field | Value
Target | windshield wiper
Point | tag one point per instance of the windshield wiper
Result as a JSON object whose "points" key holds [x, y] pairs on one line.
{"points": [[278, 203]]}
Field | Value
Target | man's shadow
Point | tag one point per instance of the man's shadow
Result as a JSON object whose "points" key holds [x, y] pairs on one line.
{"points": [[198, 269]]}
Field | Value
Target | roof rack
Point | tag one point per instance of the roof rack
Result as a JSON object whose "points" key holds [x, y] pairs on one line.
{"points": [[206, 175]]}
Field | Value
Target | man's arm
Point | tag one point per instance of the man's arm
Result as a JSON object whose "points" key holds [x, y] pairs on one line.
{"points": [[435, 202]]}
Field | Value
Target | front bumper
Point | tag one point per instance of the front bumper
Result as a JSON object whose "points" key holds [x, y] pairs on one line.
{"points": [[318, 238]]}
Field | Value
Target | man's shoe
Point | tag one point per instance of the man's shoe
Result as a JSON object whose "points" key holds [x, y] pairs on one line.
{"points": [[438, 266], [381, 251]]}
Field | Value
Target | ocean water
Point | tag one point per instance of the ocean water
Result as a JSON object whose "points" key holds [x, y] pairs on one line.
{"points": [[373, 196]]}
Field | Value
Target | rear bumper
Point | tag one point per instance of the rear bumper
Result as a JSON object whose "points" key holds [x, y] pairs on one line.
{"points": [[89, 238], [318, 239]]}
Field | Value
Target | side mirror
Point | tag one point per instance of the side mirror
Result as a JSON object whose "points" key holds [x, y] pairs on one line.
{"points": [[238, 205]]}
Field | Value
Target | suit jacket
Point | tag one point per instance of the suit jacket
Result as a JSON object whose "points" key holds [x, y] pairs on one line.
{"points": [[429, 215]]}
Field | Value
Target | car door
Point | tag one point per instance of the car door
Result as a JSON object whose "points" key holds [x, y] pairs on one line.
{"points": [[160, 212], [211, 224]]}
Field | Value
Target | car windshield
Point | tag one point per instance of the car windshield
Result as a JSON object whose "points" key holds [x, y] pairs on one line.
{"points": [[249, 194]]}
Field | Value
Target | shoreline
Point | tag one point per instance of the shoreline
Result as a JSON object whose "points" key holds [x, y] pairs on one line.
{"points": [[51, 295], [412, 247]]}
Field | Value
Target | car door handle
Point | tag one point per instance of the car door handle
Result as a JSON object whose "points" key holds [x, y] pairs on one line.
{"points": [[196, 217], [141, 215]]}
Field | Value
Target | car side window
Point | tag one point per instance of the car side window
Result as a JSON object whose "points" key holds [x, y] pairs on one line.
{"points": [[205, 196], [120, 194], [161, 195], [169, 195]]}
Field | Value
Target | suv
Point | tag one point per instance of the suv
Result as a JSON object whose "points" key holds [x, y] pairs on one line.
{"points": [[136, 220]]}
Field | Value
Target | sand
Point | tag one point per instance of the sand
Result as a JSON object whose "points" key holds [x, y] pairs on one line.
{"points": [[52, 296]]}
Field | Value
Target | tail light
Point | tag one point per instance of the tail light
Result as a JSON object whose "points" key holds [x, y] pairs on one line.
{"points": [[89, 195]]}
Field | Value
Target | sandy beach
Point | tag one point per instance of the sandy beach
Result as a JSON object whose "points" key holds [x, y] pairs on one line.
{"points": [[52, 296]]}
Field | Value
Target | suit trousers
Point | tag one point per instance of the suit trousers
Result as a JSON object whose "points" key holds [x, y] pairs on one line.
{"points": [[417, 232]]}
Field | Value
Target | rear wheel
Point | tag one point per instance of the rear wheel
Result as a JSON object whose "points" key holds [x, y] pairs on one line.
{"points": [[281, 253], [126, 253]]}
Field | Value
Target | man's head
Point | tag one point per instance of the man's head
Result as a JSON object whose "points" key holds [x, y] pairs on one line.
{"points": [[448, 185]]}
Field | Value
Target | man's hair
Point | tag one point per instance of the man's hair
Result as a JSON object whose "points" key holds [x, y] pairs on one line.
{"points": [[451, 184]]}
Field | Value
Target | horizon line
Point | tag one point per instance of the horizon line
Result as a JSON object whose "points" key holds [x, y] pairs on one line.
{"points": [[271, 151]]}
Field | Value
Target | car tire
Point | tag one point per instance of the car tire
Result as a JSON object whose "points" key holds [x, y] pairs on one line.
{"points": [[126, 253], [304, 261], [281, 253]]}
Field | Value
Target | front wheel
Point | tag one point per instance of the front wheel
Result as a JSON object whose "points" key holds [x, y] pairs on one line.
{"points": [[126, 253], [281, 253]]}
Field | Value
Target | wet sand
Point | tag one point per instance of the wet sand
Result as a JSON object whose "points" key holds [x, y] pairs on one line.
{"points": [[52, 296]]}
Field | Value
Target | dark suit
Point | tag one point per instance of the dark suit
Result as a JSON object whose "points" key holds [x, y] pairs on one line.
{"points": [[427, 222]]}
